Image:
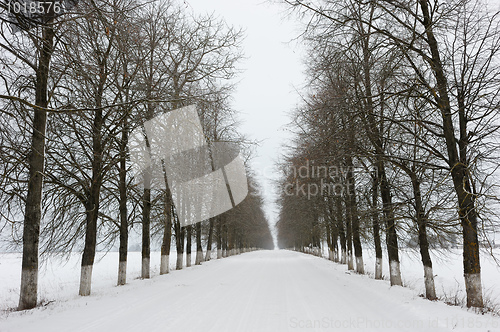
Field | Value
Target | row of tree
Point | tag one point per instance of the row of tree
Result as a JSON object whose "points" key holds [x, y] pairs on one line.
{"points": [[72, 91], [397, 136]]}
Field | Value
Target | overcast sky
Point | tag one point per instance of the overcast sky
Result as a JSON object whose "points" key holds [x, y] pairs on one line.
{"points": [[272, 71]]}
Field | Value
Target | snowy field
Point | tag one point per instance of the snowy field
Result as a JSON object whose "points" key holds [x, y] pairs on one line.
{"points": [[448, 271], [258, 291], [59, 279]]}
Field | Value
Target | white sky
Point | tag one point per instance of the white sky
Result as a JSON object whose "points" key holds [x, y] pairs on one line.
{"points": [[273, 70]]}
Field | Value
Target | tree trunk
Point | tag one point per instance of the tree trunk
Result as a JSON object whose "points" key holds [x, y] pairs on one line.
{"points": [[430, 291], [122, 261], [458, 168], [376, 229], [167, 235], [33, 208], [167, 230], [350, 259], [229, 241], [92, 205], [210, 239], [146, 199], [351, 196], [340, 227], [315, 226], [390, 223], [328, 239], [188, 245], [199, 248], [377, 142], [335, 247], [224, 240], [179, 244], [219, 238], [334, 231], [146, 215]]}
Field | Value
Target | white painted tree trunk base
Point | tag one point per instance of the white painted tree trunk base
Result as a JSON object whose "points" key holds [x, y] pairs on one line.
{"points": [[85, 280], [122, 273], [29, 285], [164, 269], [360, 266], [474, 290], [188, 260], [208, 255], [350, 262], [430, 290], [178, 265], [343, 259], [219, 253], [224, 253], [395, 274], [145, 268], [199, 257], [378, 268]]}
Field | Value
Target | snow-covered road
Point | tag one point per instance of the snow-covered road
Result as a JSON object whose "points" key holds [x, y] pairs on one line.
{"points": [[258, 291]]}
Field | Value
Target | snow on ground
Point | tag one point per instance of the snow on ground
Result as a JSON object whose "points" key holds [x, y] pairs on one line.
{"points": [[258, 291], [59, 278], [448, 272]]}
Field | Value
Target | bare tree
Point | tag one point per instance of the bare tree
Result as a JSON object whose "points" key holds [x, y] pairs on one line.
{"points": [[40, 37]]}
